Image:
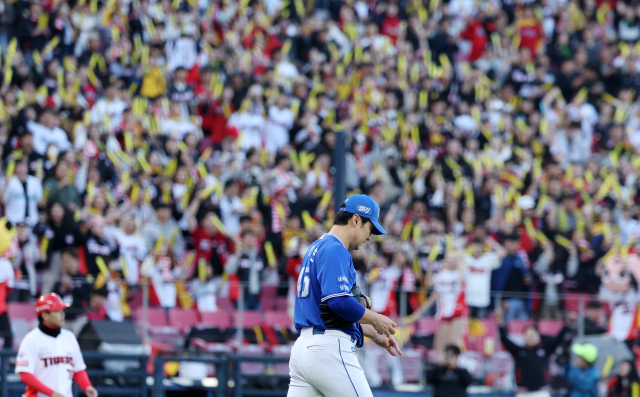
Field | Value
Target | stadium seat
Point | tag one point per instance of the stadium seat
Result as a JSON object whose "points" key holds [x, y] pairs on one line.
{"points": [[382, 366], [518, 326], [252, 367], [20, 328], [249, 320], [225, 304], [167, 335], [281, 351], [473, 362], [501, 363], [213, 347], [21, 310], [268, 296], [156, 317], [572, 302], [277, 319], [281, 304], [216, 319], [428, 325], [550, 327], [412, 365], [183, 319]]}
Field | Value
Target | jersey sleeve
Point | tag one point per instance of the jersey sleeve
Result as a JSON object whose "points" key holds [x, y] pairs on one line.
{"points": [[78, 360], [334, 272], [26, 360]]}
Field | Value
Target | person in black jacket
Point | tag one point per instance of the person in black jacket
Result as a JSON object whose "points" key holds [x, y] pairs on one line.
{"points": [[593, 324], [75, 290], [448, 379], [532, 360], [60, 232]]}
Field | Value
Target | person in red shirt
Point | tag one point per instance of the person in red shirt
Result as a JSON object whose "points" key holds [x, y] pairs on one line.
{"points": [[391, 24], [476, 33], [530, 32], [215, 114], [210, 244], [96, 310]]}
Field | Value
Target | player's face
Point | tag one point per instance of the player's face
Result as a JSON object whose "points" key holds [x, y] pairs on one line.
{"points": [[55, 319], [362, 234]]}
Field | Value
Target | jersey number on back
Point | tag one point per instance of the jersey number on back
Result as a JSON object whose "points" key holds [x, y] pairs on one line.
{"points": [[303, 278]]}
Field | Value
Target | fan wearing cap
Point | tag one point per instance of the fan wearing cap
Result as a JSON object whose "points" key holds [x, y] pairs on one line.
{"points": [[49, 358], [583, 376], [331, 320]]}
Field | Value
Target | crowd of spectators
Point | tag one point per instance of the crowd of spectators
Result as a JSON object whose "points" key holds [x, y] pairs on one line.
{"points": [[191, 143]]}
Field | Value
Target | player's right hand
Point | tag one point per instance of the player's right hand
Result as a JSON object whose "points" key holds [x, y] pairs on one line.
{"points": [[384, 325]]}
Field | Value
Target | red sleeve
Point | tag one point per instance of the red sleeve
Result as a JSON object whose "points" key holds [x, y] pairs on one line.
{"points": [[467, 33], [32, 382], [82, 379], [291, 265]]}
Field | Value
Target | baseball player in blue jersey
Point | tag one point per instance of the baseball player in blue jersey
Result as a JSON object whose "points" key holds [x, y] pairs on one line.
{"points": [[328, 314]]}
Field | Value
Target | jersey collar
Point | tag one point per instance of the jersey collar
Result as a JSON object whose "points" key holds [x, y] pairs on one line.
{"points": [[336, 237], [53, 332]]}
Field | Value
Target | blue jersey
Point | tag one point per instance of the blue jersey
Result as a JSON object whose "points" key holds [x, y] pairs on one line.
{"points": [[327, 272]]}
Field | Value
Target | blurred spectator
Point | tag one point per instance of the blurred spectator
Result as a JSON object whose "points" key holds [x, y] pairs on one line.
{"points": [[133, 249], [594, 319], [163, 272], [22, 195], [249, 267], [532, 360], [58, 233], [582, 375], [447, 378], [448, 292], [231, 208], [164, 227], [514, 279], [25, 263], [99, 252], [625, 382], [96, 310], [204, 290], [74, 290], [485, 257]]}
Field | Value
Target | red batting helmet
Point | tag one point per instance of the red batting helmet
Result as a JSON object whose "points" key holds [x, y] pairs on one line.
{"points": [[50, 303]]}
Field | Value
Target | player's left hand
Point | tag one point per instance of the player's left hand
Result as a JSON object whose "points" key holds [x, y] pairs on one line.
{"points": [[91, 392], [389, 343]]}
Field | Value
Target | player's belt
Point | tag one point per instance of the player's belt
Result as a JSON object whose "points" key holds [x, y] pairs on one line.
{"points": [[320, 331]]}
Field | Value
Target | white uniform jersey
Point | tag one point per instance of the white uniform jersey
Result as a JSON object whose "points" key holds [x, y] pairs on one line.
{"points": [[53, 361], [624, 312], [478, 279], [450, 288]]}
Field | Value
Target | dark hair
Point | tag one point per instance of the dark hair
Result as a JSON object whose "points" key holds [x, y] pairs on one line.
{"points": [[247, 232], [453, 349], [102, 291], [631, 378], [250, 152], [343, 217], [245, 218], [230, 183], [594, 305], [70, 251]]}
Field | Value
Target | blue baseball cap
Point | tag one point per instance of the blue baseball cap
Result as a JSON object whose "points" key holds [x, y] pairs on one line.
{"points": [[366, 207]]}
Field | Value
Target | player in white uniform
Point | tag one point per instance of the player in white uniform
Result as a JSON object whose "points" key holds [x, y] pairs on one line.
{"points": [[331, 321], [49, 358]]}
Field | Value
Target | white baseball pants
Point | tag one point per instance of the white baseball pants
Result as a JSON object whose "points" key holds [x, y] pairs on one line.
{"points": [[326, 366]]}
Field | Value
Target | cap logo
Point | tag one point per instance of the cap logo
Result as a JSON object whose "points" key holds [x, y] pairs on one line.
{"points": [[363, 209]]}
